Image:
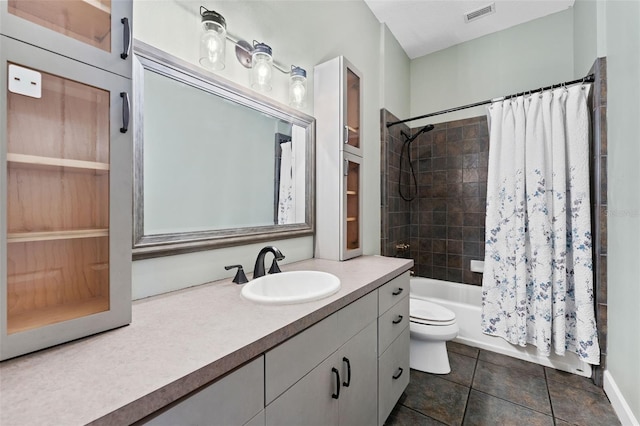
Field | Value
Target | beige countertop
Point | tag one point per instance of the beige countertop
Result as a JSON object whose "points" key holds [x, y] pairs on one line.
{"points": [[175, 343]]}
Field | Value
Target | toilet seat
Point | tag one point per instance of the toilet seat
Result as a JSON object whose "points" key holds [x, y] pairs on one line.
{"points": [[428, 313]]}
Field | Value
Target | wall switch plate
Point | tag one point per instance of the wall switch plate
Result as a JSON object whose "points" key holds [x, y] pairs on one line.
{"points": [[25, 81]]}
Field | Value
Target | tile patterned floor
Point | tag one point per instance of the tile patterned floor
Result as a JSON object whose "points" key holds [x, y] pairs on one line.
{"points": [[486, 388]]}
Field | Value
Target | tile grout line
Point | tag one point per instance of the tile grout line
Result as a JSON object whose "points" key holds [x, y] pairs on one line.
{"points": [[546, 382], [473, 376]]}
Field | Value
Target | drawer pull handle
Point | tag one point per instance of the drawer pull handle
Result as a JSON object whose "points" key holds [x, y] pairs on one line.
{"points": [[126, 36], [348, 381], [125, 112], [398, 291], [399, 320], [337, 373], [397, 376]]}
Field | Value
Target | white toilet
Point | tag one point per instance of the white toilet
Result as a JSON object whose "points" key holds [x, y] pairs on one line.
{"points": [[431, 325]]}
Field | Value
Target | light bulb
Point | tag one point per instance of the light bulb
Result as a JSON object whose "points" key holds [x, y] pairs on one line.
{"points": [[297, 87], [261, 67], [212, 40]]}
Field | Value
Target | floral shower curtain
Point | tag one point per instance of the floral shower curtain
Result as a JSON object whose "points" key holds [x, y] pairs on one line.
{"points": [[538, 279]]}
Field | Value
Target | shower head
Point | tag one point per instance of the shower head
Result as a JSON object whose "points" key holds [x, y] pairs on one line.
{"points": [[425, 129]]}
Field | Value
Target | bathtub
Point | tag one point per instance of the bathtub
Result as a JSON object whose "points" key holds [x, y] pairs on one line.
{"points": [[466, 300]]}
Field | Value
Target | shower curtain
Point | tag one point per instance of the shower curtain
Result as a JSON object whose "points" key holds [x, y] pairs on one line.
{"points": [[538, 277], [286, 203]]}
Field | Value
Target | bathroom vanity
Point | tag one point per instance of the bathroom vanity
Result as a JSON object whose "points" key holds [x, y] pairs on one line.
{"points": [[206, 351]]}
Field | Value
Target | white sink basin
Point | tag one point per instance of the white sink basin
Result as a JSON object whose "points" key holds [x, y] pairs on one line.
{"points": [[291, 287]]}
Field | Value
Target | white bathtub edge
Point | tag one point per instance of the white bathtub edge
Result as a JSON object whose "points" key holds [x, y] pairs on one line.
{"points": [[620, 406]]}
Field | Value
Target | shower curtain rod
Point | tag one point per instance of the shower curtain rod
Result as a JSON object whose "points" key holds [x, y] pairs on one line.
{"points": [[588, 79]]}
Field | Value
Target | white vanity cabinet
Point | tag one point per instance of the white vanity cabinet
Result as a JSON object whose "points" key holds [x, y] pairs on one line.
{"points": [[327, 374], [339, 159], [393, 343], [235, 399]]}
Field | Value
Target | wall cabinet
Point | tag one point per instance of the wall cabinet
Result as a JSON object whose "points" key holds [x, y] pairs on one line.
{"points": [[65, 158], [339, 157], [236, 399]]}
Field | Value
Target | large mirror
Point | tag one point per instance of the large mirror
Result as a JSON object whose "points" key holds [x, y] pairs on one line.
{"points": [[216, 164]]}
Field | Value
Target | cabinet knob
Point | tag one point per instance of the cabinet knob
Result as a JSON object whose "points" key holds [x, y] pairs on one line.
{"points": [[398, 320], [398, 291]]}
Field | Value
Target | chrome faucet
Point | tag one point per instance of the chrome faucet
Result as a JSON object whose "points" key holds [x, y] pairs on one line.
{"points": [[258, 269]]}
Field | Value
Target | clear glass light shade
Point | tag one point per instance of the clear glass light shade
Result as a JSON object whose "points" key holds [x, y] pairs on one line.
{"points": [[297, 91], [261, 71], [212, 45]]}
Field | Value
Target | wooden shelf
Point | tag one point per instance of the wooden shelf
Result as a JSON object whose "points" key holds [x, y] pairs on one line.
{"points": [[352, 219], [56, 162], [352, 193], [40, 317], [24, 237], [353, 129]]}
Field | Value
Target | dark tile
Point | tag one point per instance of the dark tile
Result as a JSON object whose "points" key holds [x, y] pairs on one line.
{"points": [[439, 246], [454, 232], [603, 130], [462, 368], [474, 204], [454, 261], [472, 233], [454, 247], [440, 260], [469, 277], [455, 218], [454, 162], [440, 232], [439, 218], [510, 362], [513, 385], [439, 163], [436, 397], [579, 406], [469, 175], [601, 312], [603, 230], [471, 248], [454, 275], [439, 273], [484, 409], [470, 161], [454, 190], [454, 134], [403, 416], [470, 131], [470, 189], [440, 178], [459, 348], [454, 176], [572, 380], [439, 191], [473, 219], [454, 148], [470, 146], [602, 284]]}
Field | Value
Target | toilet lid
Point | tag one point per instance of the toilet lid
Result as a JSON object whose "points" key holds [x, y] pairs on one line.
{"points": [[424, 311]]}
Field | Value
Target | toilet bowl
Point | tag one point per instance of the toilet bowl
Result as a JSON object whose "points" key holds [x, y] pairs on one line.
{"points": [[430, 326]]}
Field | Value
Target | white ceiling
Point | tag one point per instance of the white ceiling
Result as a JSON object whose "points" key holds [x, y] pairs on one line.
{"points": [[426, 26]]}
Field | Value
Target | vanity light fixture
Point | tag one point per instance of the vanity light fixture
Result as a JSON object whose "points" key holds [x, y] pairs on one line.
{"points": [[261, 66], [297, 87], [258, 57], [212, 39]]}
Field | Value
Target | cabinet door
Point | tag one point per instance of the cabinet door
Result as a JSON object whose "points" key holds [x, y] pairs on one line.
{"points": [[66, 191], [96, 32], [351, 225], [393, 375], [235, 399], [310, 401], [352, 101], [358, 398]]}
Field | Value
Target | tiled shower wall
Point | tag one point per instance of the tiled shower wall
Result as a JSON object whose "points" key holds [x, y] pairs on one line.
{"points": [[444, 224], [445, 228]]}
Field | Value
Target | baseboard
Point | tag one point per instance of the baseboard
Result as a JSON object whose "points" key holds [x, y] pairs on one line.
{"points": [[620, 406]]}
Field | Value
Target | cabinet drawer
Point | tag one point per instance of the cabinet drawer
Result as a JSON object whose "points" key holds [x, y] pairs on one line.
{"points": [[288, 362], [235, 399], [392, 322], [393, 376], [390, 293], [356, 316]]}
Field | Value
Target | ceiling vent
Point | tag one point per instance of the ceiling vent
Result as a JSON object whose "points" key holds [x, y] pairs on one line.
{"points": [[479, 13]]}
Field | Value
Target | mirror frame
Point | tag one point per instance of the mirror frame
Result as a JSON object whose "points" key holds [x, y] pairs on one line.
{"points": [[155, 245]]}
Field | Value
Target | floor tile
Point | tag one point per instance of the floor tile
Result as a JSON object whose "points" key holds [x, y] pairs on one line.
{"points": [[462, 368], [438, 398], [510, 362], [513, 385], [403, 416], [581, 407], [572, 380], [483, 409], [461, 349]]}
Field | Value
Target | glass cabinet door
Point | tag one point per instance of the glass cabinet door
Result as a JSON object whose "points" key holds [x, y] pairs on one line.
{"points": [[63, 149], [92, 31], [352, 111], [352, 206]]}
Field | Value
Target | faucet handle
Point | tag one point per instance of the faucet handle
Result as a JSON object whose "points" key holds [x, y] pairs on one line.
{"points": [[240, 277], [274, 267]]}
